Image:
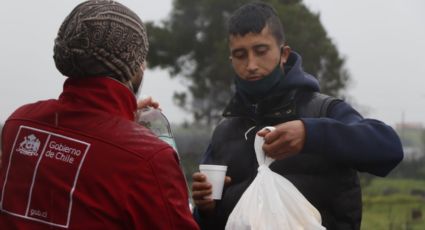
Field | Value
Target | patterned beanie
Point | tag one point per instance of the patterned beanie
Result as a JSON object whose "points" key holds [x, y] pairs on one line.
{"points": [[101, 37]]}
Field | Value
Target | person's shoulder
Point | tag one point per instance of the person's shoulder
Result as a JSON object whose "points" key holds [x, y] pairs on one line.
{"points": [[31, 108], [315, 96], [134, 138], [315, 104], [228, 122]]}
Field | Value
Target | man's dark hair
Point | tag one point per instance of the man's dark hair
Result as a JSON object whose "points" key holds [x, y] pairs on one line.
{"points": [[253, 17]]}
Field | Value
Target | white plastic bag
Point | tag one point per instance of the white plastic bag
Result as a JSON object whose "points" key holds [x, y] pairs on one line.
{"points": [[272, 202]]}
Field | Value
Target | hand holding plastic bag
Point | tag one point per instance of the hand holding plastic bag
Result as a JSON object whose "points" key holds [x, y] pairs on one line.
{"points": [[272, 202]]}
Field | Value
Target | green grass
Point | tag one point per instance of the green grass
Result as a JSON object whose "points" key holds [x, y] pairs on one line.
{"points": [[392, 216], [388, 204], [379, 186]]}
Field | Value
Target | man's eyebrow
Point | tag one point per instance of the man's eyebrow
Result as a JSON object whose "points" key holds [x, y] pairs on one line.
{"points": [[261, 46]]}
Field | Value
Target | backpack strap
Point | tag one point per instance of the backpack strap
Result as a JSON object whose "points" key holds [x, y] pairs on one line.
{"points": [[314, 104]]}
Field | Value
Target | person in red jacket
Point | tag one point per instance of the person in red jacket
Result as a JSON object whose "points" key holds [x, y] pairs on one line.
{"points": [[81, 161]]}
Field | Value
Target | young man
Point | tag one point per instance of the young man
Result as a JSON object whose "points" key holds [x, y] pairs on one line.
{"points": [[81, 161], [319, 154]]}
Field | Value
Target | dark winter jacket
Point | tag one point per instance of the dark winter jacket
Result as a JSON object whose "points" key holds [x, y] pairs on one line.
{"points": [[337, 146]]}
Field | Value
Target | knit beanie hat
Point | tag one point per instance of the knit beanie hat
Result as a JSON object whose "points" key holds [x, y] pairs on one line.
{"points": [[101, 37]]}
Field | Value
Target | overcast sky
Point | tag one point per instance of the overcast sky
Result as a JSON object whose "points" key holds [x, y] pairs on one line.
{"points": [[382, 40]]}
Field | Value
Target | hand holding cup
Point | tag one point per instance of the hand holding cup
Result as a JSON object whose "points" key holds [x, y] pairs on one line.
{"points": [[202, 191]]}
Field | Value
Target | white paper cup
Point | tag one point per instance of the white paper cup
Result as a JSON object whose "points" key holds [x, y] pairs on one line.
{"points": [[215, 175]]}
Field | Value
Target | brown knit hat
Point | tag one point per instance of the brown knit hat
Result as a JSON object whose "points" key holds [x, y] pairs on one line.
{"points": [[101, 37]]}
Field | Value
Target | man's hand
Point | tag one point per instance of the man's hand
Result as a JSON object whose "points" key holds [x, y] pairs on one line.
{"points": [[201, 193], [286, 140], [147, 102]]}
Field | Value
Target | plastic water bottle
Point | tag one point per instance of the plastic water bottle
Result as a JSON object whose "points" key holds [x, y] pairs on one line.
{"points": [[158, 123]]}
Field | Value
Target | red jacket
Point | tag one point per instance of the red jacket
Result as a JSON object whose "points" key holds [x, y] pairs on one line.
{"points": [[81, 162]]}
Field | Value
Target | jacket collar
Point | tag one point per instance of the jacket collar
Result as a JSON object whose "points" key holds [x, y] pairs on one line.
{"points": [[100, 93], [271, 108]]}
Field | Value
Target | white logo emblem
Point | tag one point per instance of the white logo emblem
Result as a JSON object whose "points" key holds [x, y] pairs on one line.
{"points": [[29, 146]]}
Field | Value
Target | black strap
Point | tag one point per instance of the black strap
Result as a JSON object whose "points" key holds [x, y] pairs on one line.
{"points": [[314, 104]]}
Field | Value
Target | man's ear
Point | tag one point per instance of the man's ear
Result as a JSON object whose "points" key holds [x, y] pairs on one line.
{"points": [[285, 51]]}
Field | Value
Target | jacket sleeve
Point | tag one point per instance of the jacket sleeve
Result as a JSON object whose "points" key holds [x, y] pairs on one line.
{"points": [[367, 145], [168, 200]]}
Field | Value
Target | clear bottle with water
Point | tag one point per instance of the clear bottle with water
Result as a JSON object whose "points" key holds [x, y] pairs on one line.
{"points": [[158, 123]]}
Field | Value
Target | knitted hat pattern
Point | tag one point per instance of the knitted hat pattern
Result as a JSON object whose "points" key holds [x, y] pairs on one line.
{"points": [[101, 37]]}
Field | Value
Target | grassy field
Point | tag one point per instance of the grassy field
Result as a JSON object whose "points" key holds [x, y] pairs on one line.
{"points": [[394, 204]]}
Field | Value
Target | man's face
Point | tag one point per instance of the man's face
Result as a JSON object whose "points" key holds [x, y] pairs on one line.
{"points": [[254, 55]]}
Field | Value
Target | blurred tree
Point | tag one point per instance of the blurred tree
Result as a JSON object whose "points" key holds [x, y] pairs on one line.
{"points": [[192, 43], [192, 140]]}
